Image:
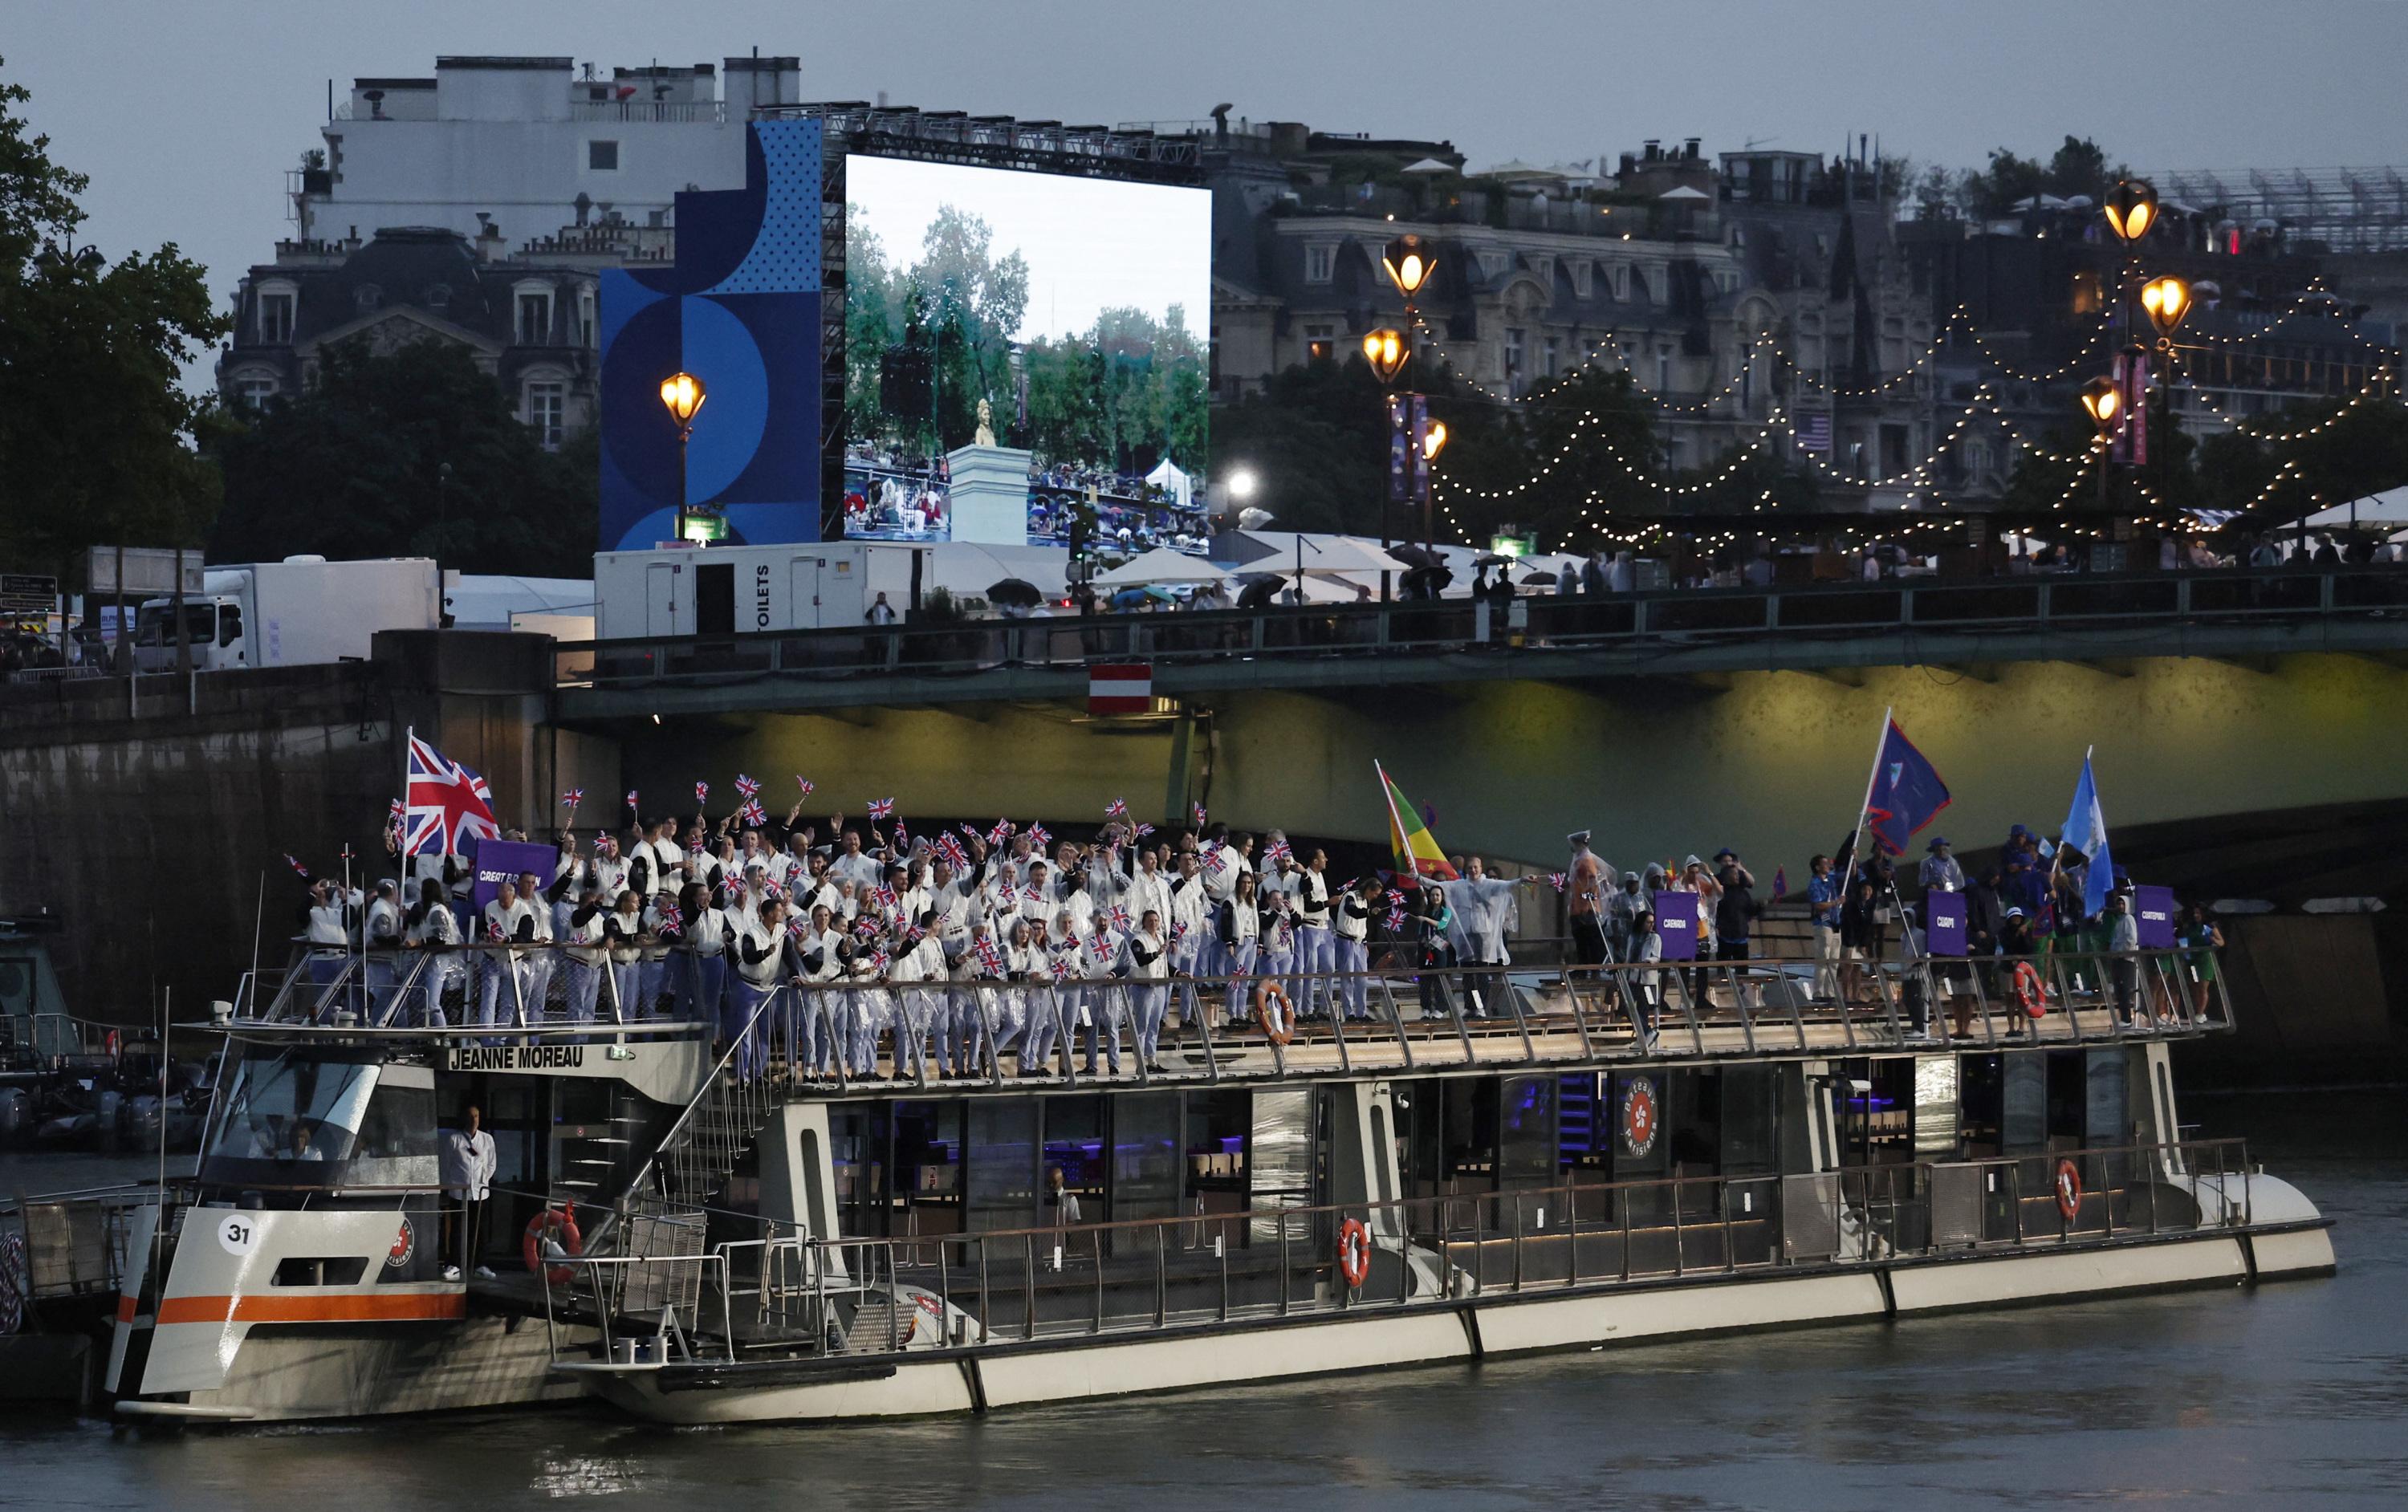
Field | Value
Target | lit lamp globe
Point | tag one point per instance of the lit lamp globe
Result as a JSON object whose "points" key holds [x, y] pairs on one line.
{"points": [[681, 395], [2104, 401], [1410, 263], [1384, 349], [2166, 301], [2131, 210], [1433, 440], [1243, 484]]}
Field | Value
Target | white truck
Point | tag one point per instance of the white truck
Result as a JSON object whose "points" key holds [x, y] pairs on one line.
{"points": [[290, 613]]}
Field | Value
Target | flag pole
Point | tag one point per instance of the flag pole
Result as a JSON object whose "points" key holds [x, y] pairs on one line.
{"points": [[1395, 824], [2057, 861], [1881, 743]]}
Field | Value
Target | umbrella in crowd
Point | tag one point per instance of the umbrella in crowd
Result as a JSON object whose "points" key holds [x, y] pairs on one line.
{"points": [[1015, 590]]}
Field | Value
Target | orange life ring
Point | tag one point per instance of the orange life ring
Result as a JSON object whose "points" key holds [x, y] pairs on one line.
{"points": [[558, 1225], [2030, 993], [2069, 1188], [1354, 1251], [1280, 1028]]}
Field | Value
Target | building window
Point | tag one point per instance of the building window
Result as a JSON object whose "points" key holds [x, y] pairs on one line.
{"points": [[276, 317], [1580, 269], [1319, 262], [438, 296], [1547, 355], [533, 317], [1493, 265], [368, 297], [546, 404], [253, 391], [602, 157], [1663, 370], [1543, 269], [585, 331], [1512, 350], [1320, 343]]}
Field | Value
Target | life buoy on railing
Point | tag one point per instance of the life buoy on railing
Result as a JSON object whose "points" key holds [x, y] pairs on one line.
{"points": [[2069, 1188], [1354, 1251], [559, 1226], [1280, 1026], [2029, 995]]}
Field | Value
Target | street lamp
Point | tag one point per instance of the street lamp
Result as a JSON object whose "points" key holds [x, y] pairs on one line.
{"points": [[1410, 262], [682, 396], [2102, 398], [1433, 440], [2131, 210]]}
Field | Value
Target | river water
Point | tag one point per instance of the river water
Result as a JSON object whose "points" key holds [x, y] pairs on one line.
{"points": [[2294, 1394]]}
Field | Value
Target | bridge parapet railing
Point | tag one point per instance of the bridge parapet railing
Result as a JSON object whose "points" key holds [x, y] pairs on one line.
{"points": [[2015, 603]]}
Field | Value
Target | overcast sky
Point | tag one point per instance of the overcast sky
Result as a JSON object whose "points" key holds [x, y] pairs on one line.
{"points": [[187, 112]]}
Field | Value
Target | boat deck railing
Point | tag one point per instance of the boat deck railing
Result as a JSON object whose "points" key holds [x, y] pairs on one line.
{"points": [[811, 1038], [794, 1298]]}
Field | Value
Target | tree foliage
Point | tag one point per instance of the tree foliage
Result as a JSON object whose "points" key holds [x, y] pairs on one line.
{"points": [[1123, 395], [97, 434], [354, 467]]}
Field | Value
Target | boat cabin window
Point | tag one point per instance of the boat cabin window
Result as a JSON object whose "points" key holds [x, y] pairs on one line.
{"points": [[298, 1120]]}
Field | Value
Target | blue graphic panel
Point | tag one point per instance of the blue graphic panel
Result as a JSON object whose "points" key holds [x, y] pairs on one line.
{"points": [[740, 309]]}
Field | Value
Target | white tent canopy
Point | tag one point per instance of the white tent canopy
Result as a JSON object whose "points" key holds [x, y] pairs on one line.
{"points": [[1160, 567], [2389, 507], [1172, 481], [1264, 551]]}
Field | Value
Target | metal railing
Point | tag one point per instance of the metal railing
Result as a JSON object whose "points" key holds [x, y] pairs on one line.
{"points": [[836, 1299], [2024, 605], [811, 1038]]}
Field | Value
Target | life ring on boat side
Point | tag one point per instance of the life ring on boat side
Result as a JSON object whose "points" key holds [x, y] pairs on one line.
{"points": [[1280, 1026], [2029, 995], [2068, 1189], [558, 1225], [1354, 1251]]}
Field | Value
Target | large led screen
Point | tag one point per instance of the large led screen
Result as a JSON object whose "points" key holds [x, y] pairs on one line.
{"points": [[1077, 310]]}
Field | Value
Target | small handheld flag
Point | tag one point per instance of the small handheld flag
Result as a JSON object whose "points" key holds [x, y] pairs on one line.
{"points": [[294, 861], [881, 809], [1117, 809], [701, 792], [804, 784], [746, 785], [571, 799], [631, 798], [1199, 816]]}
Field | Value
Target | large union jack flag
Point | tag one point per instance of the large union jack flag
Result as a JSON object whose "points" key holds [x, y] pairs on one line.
{"points": [[448, 804]]}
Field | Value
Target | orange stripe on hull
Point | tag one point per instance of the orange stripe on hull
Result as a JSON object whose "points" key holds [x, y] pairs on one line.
{"points": [[124, 1309], [370, 1308]]}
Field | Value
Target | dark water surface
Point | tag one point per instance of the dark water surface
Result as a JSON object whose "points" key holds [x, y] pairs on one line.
{"points": [[2294, 1394]]}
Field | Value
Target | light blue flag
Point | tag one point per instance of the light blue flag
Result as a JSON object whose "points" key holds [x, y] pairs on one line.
{"points": [[2085, 830]]}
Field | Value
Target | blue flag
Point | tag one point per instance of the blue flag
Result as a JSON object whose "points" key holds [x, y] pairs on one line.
{"points": [[2085, 830], [1906, 794]]}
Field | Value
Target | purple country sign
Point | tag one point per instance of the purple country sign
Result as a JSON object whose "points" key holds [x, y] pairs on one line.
{"points": [[1944, 933], [497, 859], [2154, 908], [1676, 924]]}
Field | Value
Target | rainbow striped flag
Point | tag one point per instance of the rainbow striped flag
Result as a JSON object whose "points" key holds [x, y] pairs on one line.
{"points": [[1416, 849]]}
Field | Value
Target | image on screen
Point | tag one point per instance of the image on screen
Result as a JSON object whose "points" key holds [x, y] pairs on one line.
{"points": [[1078, 310]]}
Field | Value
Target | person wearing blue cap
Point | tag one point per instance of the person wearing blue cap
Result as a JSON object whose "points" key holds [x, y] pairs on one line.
{"points": [[1940, 873]]}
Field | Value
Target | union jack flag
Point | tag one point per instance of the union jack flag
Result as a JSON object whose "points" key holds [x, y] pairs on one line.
{"points": [[447, 804], [631, 798], [878, 962], [752, 813], [883, 894], [1213, 852], [1199, 816], [1395, 920], [881, 809], [1117, 809], [1143, 830], [672, 917], [1040, 837], [494, 931], [571, 799], [988, 956], [771, 890], [865, 926], [746, 785], [909, 937], [289, 859], [1277, 850], [1119, 916], [702, 792], [902, 835], [1239, 973], [1061, 968], [1035, 893], [1002, 832], [1559, 880], [951, 850], [1101, 947], [805, 784]]}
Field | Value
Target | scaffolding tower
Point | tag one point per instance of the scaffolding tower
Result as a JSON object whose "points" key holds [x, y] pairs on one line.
{"points": [[2348, 209]]}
